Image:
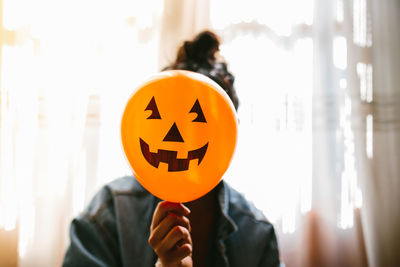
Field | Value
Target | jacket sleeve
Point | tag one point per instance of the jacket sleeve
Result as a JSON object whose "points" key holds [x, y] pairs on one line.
{"points": [[93, 235], [91, 245], [270, 256]]}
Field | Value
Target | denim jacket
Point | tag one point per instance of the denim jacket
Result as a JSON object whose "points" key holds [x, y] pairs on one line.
{"points": [[114, 229]]}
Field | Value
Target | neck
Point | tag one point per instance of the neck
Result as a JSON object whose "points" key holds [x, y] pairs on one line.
{"points": [[207, 203], [204, 212]]}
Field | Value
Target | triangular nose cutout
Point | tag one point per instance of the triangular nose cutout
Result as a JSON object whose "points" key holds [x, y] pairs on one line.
{"points": [[173, 134]]}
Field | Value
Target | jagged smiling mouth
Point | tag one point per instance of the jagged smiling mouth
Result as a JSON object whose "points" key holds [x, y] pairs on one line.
{"points": [[169, 157]]}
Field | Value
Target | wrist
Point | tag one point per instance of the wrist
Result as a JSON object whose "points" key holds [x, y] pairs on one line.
{"points": [[158, 263]]}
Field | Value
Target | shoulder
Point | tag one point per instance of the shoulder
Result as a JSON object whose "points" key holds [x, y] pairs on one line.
{"points": [[105, 199], [127, 185], [239, 206], [118, 207], [103, 231], [254, 235], [252, 225]]}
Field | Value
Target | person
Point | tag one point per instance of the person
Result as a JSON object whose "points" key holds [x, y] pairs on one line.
{"points": [[125, 225]]}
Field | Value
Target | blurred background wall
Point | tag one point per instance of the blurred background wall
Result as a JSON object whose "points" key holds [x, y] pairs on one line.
{"points": [[319, 130]]}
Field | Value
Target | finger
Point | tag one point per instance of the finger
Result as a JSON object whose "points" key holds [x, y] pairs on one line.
{"points": [[164, 207], [177, 255], [182, 252], [163, 228], [173, 237]]}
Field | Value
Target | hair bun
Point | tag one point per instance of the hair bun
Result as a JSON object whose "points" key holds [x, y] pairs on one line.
{"points": [[188, 46]]}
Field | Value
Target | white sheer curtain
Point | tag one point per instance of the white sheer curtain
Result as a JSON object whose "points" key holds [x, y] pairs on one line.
{"points": [[307, 80], [67, 69], [381, 186], [318, 138]]}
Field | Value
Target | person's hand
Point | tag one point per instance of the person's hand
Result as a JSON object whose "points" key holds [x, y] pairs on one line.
{"points": [[170, 235]]}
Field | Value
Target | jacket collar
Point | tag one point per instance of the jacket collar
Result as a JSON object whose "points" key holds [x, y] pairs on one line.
{"points": [[227, 226]]}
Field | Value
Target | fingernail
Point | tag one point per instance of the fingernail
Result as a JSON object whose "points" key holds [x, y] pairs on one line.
{"points": [[186, 209]]}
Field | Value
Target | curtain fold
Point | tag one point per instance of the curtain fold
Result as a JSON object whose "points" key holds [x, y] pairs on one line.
{"points": [[64, 83], [181, 20], [381, 186]]}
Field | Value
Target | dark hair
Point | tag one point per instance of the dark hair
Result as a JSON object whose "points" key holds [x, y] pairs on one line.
{"points": [[200, 49], [198, 55]]}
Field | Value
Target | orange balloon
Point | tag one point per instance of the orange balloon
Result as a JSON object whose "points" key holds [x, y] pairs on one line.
{"points": [[179, 132]]}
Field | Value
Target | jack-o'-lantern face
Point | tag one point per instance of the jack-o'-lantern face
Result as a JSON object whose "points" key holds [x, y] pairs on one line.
{"points": [[173, 135], [179, 133]]}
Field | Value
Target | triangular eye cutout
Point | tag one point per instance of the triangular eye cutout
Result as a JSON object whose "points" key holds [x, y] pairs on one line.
{"points": [[197, 109], [155, 114]]}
